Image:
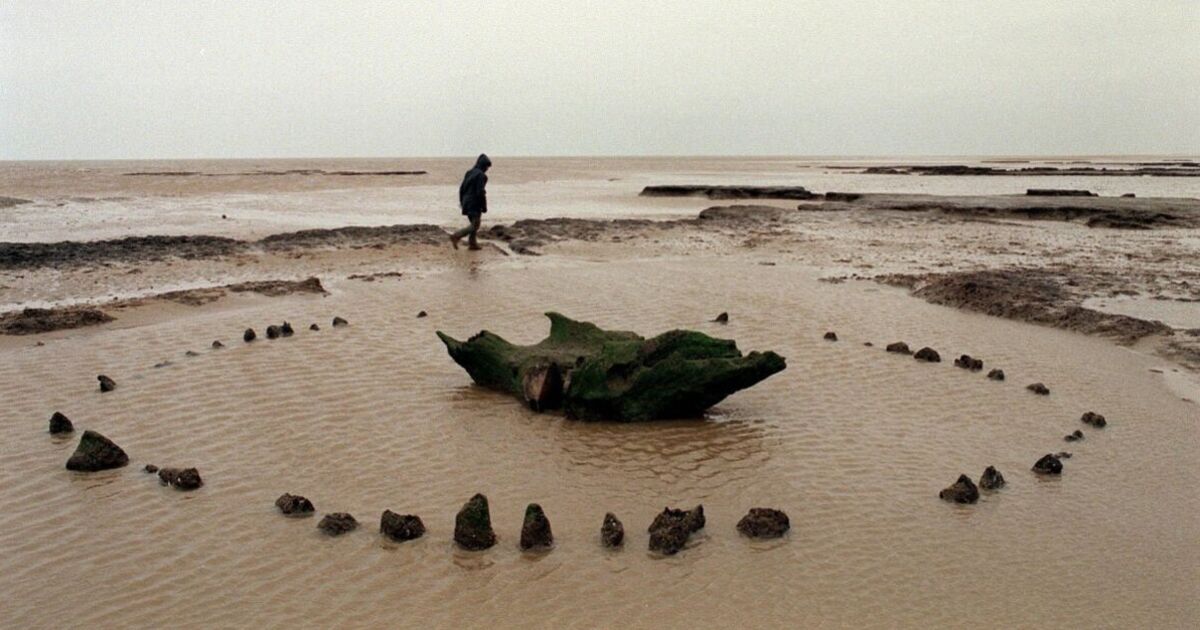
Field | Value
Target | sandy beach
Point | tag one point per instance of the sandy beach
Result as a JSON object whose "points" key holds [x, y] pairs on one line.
{"points": [[140, 266]]}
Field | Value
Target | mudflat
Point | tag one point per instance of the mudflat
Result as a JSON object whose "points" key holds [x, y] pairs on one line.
{"points": [[853, 442]]}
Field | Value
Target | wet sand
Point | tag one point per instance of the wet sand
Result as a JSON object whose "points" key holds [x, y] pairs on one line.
{"points": [[853, 442]]}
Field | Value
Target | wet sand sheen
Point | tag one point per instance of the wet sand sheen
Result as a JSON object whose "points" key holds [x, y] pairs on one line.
{"points": [[853, 442]]}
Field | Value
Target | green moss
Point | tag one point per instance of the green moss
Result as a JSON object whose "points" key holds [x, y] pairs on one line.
{"points": [[473, 525], [617, 374], [475, 514]]}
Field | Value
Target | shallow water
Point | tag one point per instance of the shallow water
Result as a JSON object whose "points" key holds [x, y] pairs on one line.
{"points": [[852, 442], [1174, 313], [95, 200]]}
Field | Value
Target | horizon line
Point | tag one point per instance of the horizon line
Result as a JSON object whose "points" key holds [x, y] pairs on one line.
{"points": [[521, 156]]}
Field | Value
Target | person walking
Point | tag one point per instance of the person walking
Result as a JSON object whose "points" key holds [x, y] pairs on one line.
{"points": [[472, 198]]}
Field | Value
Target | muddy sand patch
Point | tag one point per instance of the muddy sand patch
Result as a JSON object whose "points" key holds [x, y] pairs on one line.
{"points": [[8, 202], [1095, 212], [1030, 295], [32, 321], [136, 249]]}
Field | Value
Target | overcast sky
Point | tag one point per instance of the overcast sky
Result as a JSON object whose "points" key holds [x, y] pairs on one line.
{"points": [[248, 78]]}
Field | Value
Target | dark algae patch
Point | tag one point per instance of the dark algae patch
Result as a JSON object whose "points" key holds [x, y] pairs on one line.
{"points": [[596, 374]]}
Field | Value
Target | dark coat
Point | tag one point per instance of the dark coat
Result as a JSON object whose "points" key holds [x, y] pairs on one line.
{"points": [[471, 194]]}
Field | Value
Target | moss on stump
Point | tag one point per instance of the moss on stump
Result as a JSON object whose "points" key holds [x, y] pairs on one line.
{"points": [[597, 374]]}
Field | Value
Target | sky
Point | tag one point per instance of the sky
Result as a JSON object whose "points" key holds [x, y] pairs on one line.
{"points": [[153, 79]]}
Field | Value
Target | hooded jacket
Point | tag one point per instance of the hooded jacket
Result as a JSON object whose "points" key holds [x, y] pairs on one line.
{"points": [[472, 197]]}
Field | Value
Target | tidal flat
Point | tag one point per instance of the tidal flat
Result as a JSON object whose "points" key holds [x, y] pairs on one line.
{"points": [[853, 442]]}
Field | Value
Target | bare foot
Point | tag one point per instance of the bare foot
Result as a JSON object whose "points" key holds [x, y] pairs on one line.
{"points": [[454, 241]]}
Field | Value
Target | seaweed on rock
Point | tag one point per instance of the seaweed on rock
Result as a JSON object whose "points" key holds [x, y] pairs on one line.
{"points": [[596, 374]]}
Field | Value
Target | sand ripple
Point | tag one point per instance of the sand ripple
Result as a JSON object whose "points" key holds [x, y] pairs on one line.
{"points": [[853, 442]]}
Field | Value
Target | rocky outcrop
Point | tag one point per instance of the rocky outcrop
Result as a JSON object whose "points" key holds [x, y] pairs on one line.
{"points": [[535, 531], [338, 321], [273, 332], [217, 345], [60, 424], [1074, 436], [106, 384], [473, 525], [249, 335], [927, 354], [991, 479], [962, 491], [898, 347], [764, 523], [831, 336], [286, 330], [612, 532], [671, 529], [1038, 389], [1094, 419], [337, 523], [180, 478], [96, 452], [614, 375], [996, 375], [1048, 465], [722, 318], [294, 505], [967, 362], [401, 527]]}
